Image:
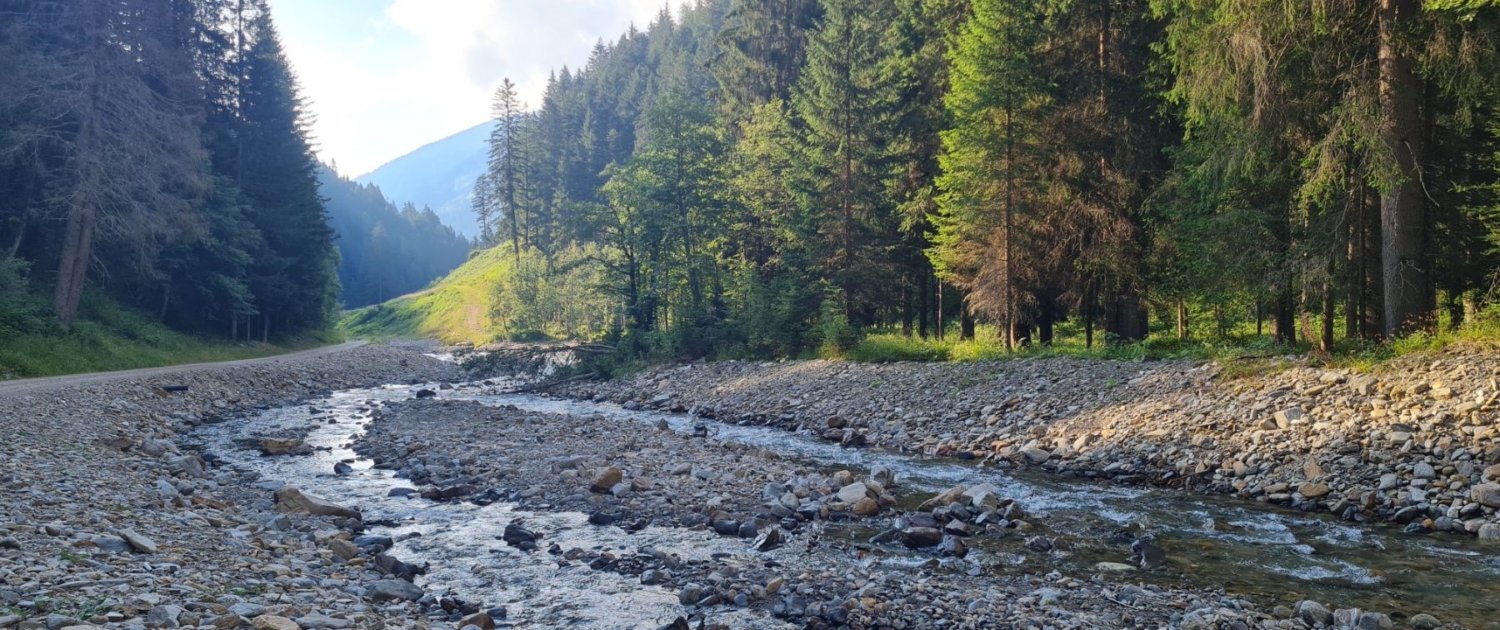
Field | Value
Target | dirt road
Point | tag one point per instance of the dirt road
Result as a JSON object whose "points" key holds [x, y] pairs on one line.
{"points": [[51, 383]]}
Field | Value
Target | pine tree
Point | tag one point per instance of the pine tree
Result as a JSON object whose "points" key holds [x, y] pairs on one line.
{"points": [[504, 167], [843, 106]]}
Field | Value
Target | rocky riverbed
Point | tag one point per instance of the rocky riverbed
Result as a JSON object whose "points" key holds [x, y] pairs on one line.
{"points": [[377, 489], [785, 529], [1415, 443], [108, 520]]}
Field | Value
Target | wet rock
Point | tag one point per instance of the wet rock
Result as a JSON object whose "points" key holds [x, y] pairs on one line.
{"points": [[727, 527], [1314, 613], [1489, 533], [1149, 554], [887, 477], [946, 498], [768, 540], [921, 537], [278, 446], [425, 393], [481, 620], [394, 590], [866, 507], [289, 499], [515, 534], [1040, 544], [342, 468], [1424, 621]]}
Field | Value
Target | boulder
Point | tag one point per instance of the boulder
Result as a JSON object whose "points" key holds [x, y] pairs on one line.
{"points": [[853, 492], [289, 499], [395, 591], [1487, 495], [138, 542], [921, 537], [606, 480], [1313, 490], [1314, 613], [272, 622], [277, 446], [948, 497]]}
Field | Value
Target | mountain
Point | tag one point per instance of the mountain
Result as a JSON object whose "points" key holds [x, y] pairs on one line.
{"points": [[439, 176], [385, 251]]}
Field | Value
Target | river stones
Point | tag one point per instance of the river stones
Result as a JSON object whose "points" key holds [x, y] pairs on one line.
{"points": [[138, 542], [1487, 494], [853, 492], [278, 446], [921, 537], [289, 499], [1313, 490], [273, 622], [394, 591], [949, 497], [1314, 613], [606, 480]]}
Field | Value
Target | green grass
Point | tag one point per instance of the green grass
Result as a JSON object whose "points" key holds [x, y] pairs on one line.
{"points": [[109, 337], [455, 309], [1243, 354]]}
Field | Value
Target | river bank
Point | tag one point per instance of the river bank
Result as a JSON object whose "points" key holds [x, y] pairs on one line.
{"points": [[440, 504], [1416, 442], [737, 532], [109, 520]]}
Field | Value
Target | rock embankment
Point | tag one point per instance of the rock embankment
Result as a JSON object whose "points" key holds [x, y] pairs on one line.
{"points": [[108, 521], [1416, 442]]}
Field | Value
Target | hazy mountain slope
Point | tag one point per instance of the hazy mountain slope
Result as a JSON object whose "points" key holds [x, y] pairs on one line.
{"points": [[439, 176]]}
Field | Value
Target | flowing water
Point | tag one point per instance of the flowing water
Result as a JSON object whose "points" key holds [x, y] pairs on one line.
{"points": [[1274, 556]]}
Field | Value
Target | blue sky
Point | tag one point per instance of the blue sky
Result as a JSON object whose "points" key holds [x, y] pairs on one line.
{"points": [[384, 77]]}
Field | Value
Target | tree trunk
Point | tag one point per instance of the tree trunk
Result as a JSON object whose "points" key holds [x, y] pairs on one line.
{"points": [[907, 316], [966, 323], [1402, 207], [941, 333], [1284, 318], [1046, 319], [1325, 340], [83, 206], [1182, 319], [924, 303]]}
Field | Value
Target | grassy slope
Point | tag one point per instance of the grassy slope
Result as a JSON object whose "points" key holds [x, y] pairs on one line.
{"points": [[455, 309], [109, 337]]}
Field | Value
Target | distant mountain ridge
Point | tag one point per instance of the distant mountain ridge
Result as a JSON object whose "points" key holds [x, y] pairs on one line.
{"points": [[440, 176]]}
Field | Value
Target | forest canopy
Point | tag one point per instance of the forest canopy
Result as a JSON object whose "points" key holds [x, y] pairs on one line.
{"points": [[158, 151], [763, 177]]}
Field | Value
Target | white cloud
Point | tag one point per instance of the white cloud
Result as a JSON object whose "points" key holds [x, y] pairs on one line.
{"points": [[372, 106]]}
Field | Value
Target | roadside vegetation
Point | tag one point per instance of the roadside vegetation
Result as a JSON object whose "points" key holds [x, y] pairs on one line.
{"points": [[108, 337]]}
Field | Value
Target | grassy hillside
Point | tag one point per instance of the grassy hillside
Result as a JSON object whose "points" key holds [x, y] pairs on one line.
{"points": [[453, 310], [109, 337]]}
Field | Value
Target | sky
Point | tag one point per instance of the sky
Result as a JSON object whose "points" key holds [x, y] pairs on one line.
{"points": [[385, 77]]}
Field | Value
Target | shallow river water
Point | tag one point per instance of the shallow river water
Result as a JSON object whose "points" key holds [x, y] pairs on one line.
{"points": [[1273, 556]]}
